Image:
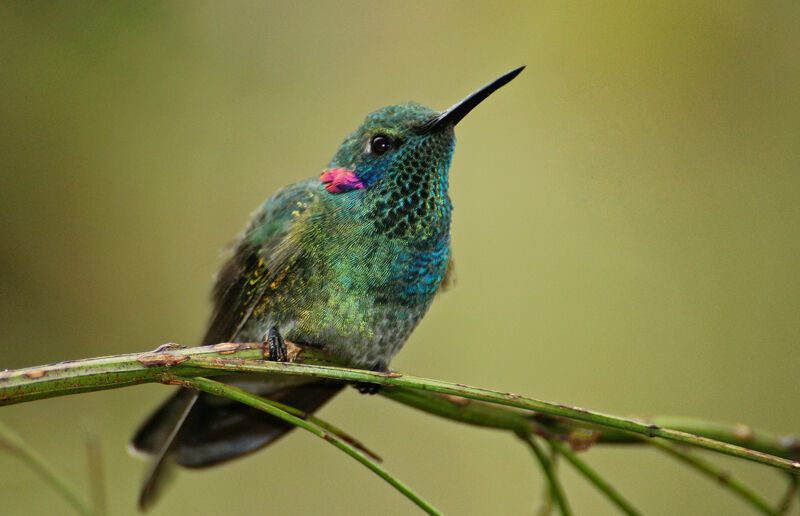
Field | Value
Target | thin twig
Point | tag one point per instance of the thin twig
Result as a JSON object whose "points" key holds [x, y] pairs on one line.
{"points": [[509, 399], [556, 490], [110, 372], [14, 444], [94, 460], [785, 504], [718, 474], [324, 425], [236, 394], [598, 481]]}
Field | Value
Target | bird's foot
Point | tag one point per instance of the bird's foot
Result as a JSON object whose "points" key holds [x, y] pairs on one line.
{"points": [[277, 346], [368, 387]]}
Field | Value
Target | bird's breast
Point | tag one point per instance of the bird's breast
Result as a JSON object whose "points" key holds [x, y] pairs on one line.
{"points": [[360, 298]]}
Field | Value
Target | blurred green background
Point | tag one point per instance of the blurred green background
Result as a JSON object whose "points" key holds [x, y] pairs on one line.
{"points": [[626, 227]]}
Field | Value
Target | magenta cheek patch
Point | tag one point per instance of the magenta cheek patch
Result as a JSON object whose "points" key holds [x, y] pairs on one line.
{"points": [[340, 180]]}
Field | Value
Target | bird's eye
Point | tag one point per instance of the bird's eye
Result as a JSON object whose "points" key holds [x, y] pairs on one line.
{"points": [[380, 144]]}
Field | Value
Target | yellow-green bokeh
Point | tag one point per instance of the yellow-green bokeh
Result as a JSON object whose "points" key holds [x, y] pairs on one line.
{"points": [[626, 227]]}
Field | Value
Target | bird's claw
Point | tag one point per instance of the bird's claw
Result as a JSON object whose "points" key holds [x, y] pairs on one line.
{"points": [[277, 346], [369, 387]]}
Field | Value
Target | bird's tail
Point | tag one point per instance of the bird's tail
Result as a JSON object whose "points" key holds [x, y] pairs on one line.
{"points": [[198, 430]]}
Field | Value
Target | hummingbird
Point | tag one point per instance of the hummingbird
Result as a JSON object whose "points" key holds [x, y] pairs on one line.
{"points": [[348, 262]]}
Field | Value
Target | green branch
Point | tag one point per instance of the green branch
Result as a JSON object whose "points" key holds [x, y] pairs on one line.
{"points": [[94, 374], [14, 444], [556, 491], [526, 417], [718, 474], [257, 402], [598, 481]]}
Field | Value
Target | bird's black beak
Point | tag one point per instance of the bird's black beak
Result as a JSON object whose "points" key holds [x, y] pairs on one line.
{"points": [[453, 115]]}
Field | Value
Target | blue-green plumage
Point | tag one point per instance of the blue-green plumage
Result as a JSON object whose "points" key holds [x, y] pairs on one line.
{"points": [[348, 262]]}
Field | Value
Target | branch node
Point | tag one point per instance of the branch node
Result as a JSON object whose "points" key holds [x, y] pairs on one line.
{"points": [[582, 439], [292, 350], [791, 443], [461, 401], [161, 359], [225, 348], [743, 432]]}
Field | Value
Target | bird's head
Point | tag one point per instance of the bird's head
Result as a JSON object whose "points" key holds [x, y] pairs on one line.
{"points": [[396, 163]]}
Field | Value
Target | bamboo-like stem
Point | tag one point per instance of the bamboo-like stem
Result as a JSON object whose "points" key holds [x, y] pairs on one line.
{"points": [[242, 396], [116, 371], [555, 488], [718, 474], [783, 446], [97, 484], [509, 399], [15, 445], [785, 504], [328, 427], [598, 481], [523, 422]]}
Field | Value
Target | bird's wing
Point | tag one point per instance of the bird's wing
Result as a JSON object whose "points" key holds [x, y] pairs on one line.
{"points": [[260, 258]]}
